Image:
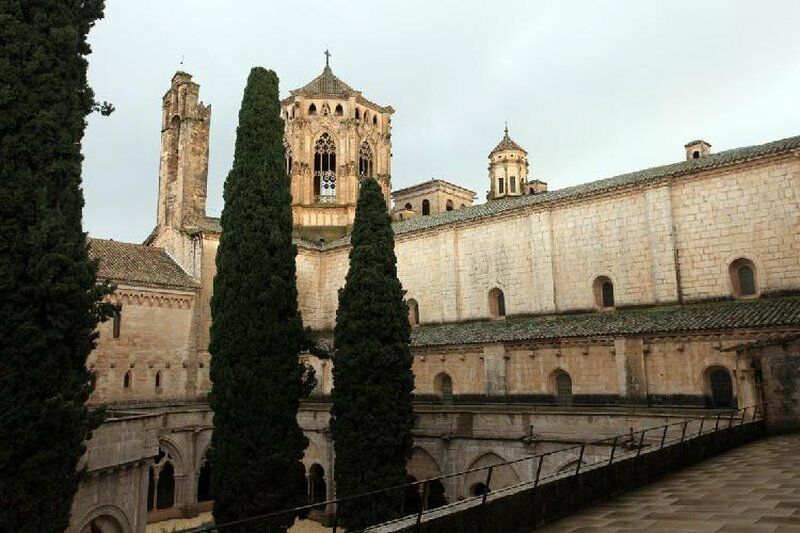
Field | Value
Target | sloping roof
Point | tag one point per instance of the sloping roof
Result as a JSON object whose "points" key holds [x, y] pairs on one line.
{"points": [[506, 143], [712, 161], [326, 84], [433, 182], [768, 340], [137, 264], [688, 318]]}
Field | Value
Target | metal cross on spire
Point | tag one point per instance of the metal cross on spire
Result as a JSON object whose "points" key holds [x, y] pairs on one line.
{"points": [[506, 127], [327, 57]]}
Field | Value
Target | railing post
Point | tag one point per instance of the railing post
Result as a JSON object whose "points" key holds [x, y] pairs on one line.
{"points": [[613, 449], [716, 426], [536, 488], [664, 436], [702, 420], [488, 482], [580, 459], [336, 518], [641, 441], [576, 497], [421, 502], [683, 432], [744, 414], [730, 420]]}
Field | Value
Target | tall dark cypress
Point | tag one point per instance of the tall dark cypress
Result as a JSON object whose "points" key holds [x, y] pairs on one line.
{"points": [[256, 330], [49, 303], [372, 412]]}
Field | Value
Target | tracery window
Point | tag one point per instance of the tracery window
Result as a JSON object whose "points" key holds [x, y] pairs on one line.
{"points": [[326, 109], [325, 169], [365, 161]]}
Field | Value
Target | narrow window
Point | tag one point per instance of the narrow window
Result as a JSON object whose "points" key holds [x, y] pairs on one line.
{"points": [[358, 114], [289, 160], [339, 110], [603, 293], [158, 381], [126, 382], [365, 166], [449, 205], [743, 278], [413, 312], [721, 389], [325, 169], [563, 389], [497, 303], [116, 323], [500, 186], [512, 184], [312, 109], [375, 120], [426, 207], [443, 384]]}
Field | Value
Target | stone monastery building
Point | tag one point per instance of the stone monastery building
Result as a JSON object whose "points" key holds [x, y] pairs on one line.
{"points": [[541, 317]]}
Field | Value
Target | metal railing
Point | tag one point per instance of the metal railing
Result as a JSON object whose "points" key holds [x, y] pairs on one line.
{"points": [[621, 447]]}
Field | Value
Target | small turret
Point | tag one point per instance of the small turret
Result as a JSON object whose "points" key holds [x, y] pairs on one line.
{"points": [[508, 169]]}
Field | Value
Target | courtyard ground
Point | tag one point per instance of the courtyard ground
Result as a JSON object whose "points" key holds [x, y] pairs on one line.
{"points": [[754, 488]]}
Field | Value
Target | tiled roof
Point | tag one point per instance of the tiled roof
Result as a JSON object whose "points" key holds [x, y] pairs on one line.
{"points": [[712, 161], [137, 264], [326, 84], [688, 318], [433, 182], [506, 143], [768, 340], [329, 85]]}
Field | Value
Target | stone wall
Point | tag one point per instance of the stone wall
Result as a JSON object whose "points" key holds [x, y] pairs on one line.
{"points": [[156, 336]]}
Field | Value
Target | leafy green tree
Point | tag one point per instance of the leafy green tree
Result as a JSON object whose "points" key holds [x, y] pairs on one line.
{"points": [[49, 302], [372, 412], [256, 331]]}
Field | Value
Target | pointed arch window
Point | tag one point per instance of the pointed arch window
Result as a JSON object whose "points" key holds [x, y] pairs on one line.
{"points": [[289, 159], [339, 110], [426, 207], [325, 169], [312, 109], [365, 166]]}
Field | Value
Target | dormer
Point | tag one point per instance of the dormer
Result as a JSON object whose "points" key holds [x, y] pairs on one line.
{"points": [[697, 149]]}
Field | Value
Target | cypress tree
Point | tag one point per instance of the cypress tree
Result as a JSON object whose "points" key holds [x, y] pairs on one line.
{"points": [[49, 302], [256, 330], [372, 412]]}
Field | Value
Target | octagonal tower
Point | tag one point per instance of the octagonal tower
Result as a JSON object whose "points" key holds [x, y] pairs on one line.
{"points": [[334, 137], [508, 169]]}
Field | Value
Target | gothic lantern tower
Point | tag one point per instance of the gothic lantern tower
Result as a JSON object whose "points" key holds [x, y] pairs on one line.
{"points": [[508, 169], [334, 137]]}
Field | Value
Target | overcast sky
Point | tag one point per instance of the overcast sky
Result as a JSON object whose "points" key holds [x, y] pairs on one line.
{"points": [[590, 89]]}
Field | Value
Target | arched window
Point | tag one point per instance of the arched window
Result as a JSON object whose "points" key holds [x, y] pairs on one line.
{"points": [[512, 184], [375, 120], [497, 303], [325, 169], [365, 160], [449, 205], [462, 206], [126, 381], [443, 384], [563, 389], [413, 312], [289, 160], [358, 114], [426, 207], [116, 323], [312, 109], [603, 293], [721, 387], [339, 110], [161, 486], [743, 278], [408, 206], [317, 489], [366, 115], [158, 381]]}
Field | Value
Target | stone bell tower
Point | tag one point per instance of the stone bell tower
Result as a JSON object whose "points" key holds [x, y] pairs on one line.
{"points": [[508, 169], [183, 170], [334, 138]]}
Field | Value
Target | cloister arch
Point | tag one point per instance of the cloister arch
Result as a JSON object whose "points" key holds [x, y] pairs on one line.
{"points": [[105, 519], [502, 476]]}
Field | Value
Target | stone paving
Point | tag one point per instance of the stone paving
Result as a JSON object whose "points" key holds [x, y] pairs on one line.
{"points": [[753, 488]]}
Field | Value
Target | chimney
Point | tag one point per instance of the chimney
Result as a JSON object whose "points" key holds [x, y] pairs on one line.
{"points": [[697, 149], [537, 187]]}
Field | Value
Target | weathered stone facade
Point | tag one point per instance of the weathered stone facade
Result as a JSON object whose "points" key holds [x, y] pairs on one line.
{"points": [[540, 317]]}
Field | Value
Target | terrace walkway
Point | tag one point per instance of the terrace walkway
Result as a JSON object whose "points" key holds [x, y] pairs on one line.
{"points": [[753, 488]]}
